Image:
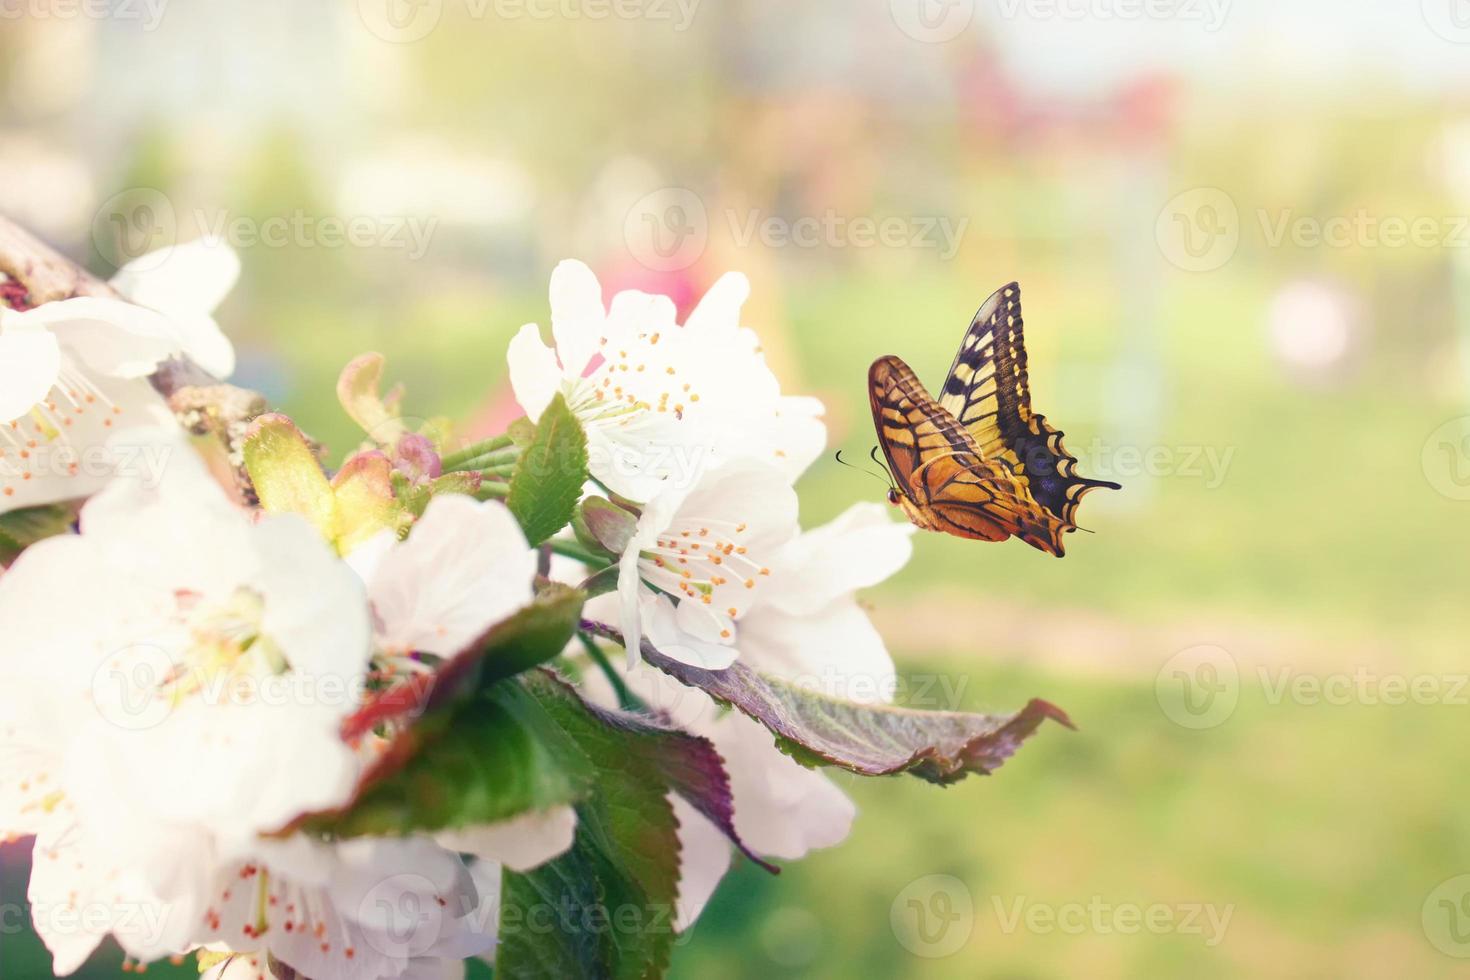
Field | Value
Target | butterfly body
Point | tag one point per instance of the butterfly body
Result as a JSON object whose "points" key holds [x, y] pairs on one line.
{"points": [[977, 462]]}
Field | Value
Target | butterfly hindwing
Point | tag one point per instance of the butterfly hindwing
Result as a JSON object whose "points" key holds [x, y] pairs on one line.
{"points": [[946, 483], [987, 391]]}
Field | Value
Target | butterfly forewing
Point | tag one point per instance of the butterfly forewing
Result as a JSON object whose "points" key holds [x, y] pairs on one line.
{"points": [[948, 484], [988, 393]]}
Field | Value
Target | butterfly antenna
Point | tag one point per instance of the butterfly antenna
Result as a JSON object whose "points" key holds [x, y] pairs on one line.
{"points": [[887, 473], [875, 476]]}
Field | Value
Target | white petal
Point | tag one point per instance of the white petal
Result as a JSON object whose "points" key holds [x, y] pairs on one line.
{"points": [[704, 858], [72, 461], [30, 360], [520, 844], [577, 315], [749, 492], [192, 277], [629, 588], [205, 344], [534, 373], [856, 550], [717, 316], [690, 634], [633, 312], [782, 809], [836, 651], [186, 282], [315, 605], [465, 566], [109, 336]]}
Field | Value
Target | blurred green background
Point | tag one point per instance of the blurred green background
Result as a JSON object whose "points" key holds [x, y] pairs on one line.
{"points": [[1246, 261]]}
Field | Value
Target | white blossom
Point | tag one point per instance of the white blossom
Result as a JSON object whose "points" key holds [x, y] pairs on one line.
{"points": [[660, 401]]}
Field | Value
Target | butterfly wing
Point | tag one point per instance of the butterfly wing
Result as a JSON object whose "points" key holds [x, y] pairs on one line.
{"points": [[947, 485], [987, 391]]}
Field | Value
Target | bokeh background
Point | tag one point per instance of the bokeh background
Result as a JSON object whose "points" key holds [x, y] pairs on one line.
{"points": [[1243, 233]]}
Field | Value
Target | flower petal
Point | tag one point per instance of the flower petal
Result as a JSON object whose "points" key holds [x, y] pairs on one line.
{"points": [[717, 317], [30, 360], [465, 566], [704, 857], [520, 844], [109, 336], [534, 373], [577, 315], [858, 549]]}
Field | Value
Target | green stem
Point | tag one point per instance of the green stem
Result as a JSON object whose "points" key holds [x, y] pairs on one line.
{"points": [[572, 548], [627, 700], [506, 470], [490, 459], [455, 459], [492, 488]]}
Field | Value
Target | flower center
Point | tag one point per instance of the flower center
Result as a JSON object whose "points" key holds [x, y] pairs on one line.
{"points": [[705, 560], [38, 444], [226, 649]]}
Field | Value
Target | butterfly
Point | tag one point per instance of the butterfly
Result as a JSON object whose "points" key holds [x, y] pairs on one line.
{"points": [[978, 463]]}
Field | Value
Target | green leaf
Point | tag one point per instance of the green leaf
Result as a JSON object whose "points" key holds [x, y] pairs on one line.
{"points": [[550, 474], [19, 529], [286, 474], [358, 391], [348, 509], [492, 757], [870, 740], [529, 637], [532, 636], [610, 901]]}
